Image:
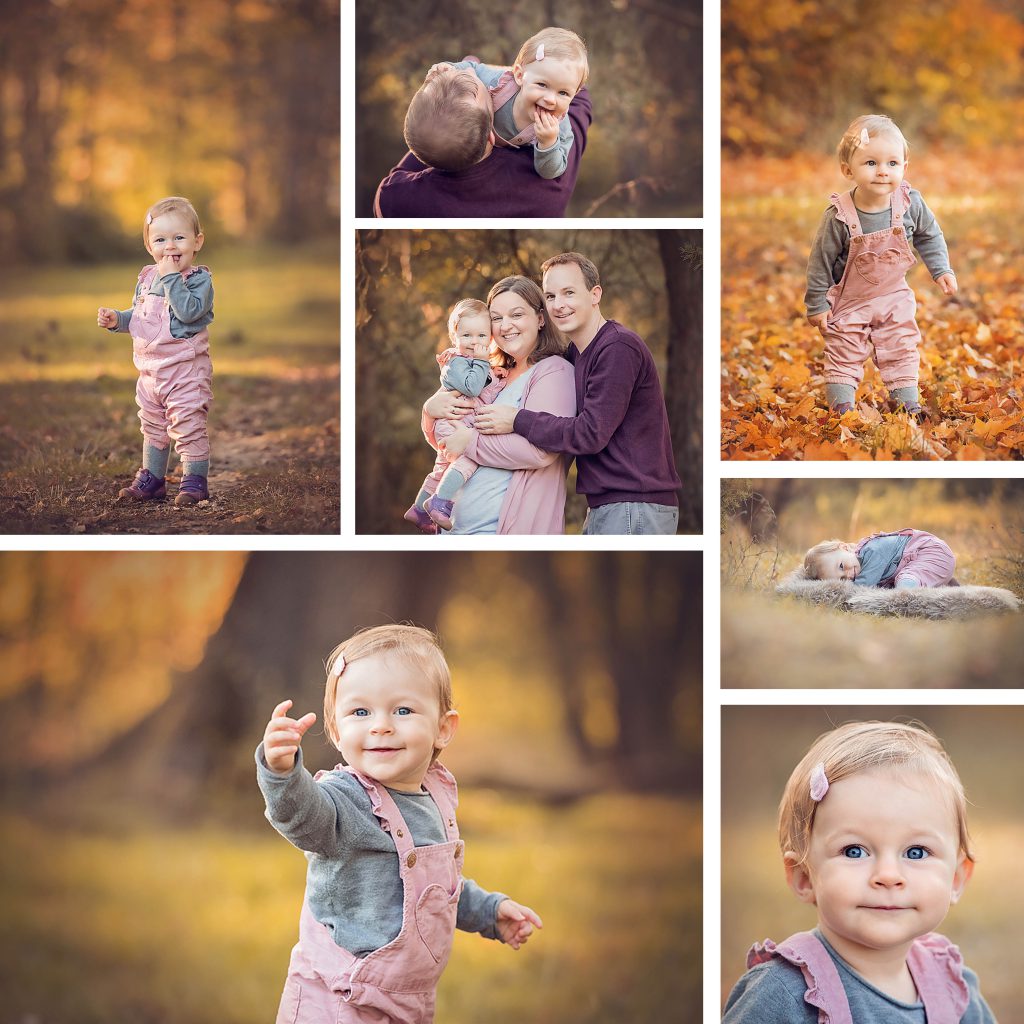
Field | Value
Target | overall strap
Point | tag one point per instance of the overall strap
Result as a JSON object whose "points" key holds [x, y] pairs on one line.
{"points": [[502, 91], [938, 972], [440, 784], [385, 808], [846, 211], [825, 989], [899, 203]]}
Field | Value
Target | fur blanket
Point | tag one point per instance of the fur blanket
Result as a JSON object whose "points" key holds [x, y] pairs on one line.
{"points": [[919, 603]]}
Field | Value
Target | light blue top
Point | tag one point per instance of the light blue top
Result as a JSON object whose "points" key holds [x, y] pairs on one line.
{"points": [[478, 504], [548, 163], [879, 560]]}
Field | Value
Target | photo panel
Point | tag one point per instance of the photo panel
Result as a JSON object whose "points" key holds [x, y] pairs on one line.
{"points": [[867, 310], [199, 394], [895, 827], [889, 583], [469, 111], [593, 361], [131, 805]]}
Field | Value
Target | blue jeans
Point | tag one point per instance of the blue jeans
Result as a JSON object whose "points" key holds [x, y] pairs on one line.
{"points": [[629, 518]]}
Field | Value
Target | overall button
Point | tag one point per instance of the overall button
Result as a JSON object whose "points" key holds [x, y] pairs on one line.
{"points": [[411, 859], [399, 833], [458, 850]]}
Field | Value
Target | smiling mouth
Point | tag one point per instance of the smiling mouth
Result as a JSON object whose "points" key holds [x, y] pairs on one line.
{"points": [[886, 908], [382, 750]]}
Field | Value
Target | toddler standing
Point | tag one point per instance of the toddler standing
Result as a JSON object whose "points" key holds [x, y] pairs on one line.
{"points": [[857, 293], [384, 885], [529, 102], [873, 831], [466, 369], [171, 309]]}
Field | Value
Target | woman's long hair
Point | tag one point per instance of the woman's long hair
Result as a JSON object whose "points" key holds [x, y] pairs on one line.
{"points": [[550, 340]]}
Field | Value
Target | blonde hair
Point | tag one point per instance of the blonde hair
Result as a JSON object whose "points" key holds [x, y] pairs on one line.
{"points": [[560, 43], [549, 338], [875, 125], [172, 204], [417, 646], [813, 558], [464, 308], [859, 747]]}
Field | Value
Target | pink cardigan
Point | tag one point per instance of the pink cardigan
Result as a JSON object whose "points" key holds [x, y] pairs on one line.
{"points": [[535, 499]]}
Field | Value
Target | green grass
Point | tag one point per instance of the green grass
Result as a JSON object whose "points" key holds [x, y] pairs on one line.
{"points": [[161, 924]]}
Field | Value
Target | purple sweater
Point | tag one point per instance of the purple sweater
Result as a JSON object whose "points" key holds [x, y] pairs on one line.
{"points": [[620, 434], [503, 184]]}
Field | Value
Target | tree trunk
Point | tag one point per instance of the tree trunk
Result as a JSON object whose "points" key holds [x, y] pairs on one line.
{"points": [[681, 256]]}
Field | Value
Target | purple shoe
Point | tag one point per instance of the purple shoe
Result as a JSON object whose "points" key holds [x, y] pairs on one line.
{"points": [[841, 408], [420, 519], [193, 490], [145, 487], [440, 510]]}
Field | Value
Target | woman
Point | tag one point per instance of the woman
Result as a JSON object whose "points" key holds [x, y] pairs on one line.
{"points": [[518, 488]]}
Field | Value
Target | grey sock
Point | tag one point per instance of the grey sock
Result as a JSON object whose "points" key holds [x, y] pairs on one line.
{"points": [[905, 396], [421, 499], [196, 468], [839, 394], [155, 459], [450, 484]]}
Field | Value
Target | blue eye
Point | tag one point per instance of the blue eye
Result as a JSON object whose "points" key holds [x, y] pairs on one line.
{"points": [[917, 853], [404, 711], [360, 712], [854, 852]]}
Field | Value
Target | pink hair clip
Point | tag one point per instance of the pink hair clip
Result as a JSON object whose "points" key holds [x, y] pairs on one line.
{"points": [[540, 52], [864, 137], [149, 218], [339, 665], [819, 782]]}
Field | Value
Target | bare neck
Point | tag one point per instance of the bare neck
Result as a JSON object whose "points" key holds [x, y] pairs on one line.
{"points": [[588, 332]]}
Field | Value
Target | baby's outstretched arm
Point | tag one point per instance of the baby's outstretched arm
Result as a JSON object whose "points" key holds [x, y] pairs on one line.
{"points": [[515, 923], [282, 738], [106, 317]]}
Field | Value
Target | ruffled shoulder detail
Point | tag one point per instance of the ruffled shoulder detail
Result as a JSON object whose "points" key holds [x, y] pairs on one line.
{"points": [[445, 780], [941, 983], [813, 962], [372, 788], [147, 273], [901, 199], [845, 210]]}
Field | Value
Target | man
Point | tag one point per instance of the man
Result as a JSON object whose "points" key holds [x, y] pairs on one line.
{"points": [[498, 183], [620, 434]]}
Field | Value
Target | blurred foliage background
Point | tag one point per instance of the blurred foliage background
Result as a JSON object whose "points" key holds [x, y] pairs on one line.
{"points": [[767, 527], [137, 873], [762, 745], [643, 156], [948, 75], [106, 107], [407, 282]]}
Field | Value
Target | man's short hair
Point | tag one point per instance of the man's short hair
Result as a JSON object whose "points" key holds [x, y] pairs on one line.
{"points": [[591, 278], [444, 126]]}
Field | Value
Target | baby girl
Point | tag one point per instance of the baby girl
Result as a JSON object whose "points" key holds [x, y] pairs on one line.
{"points": [[907, 558]]}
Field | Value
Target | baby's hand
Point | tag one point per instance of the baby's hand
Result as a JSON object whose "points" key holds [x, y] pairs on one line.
{"points": [[282, 737], [166, 265], [515, 923], [106, 317], [481, 350], [546, 125], [947, 282], [818, 321]]}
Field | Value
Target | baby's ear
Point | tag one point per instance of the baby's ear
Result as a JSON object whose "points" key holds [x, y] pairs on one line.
{"points": [[961, 877], [798, 878], [847, 170], [517, 73]]}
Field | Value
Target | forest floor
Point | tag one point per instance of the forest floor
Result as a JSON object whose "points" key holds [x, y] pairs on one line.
{"points": [[972, 355], [69, 435], [146, 923]]}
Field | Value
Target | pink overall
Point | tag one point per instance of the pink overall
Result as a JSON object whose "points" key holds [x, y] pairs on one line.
{"points": [[926, 559], [872, 307], [394, 984], [173, 392], [443, 429], [935, 965]]}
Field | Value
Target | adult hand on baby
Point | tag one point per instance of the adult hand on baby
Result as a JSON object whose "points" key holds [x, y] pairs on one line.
{"points": [[515, 923], [546, 125], [818, 321], [282, 738], [437, 69], [496, 419], [458, 441], [447, 405], [106, 317], [947, 282]]}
